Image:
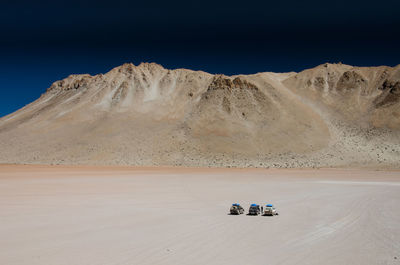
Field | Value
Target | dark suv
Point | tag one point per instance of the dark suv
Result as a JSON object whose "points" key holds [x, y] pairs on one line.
{"points": [[254, 209], [236, 208]]}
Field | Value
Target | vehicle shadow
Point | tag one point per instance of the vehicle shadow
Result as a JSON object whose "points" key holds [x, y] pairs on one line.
{"points": [[267, 215]]}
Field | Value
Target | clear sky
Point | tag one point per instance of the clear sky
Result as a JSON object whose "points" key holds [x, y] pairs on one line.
{"points": [[44, 41]]}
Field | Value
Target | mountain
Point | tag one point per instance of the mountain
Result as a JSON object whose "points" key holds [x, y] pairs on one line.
{"points": [[333, 115]]}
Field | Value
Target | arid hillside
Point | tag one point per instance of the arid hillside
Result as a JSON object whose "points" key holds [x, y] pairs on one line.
{"points": [[332, 115]]}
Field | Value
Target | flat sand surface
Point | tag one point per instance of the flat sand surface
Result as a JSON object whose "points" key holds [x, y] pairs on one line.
{"points": [[58, 215]]}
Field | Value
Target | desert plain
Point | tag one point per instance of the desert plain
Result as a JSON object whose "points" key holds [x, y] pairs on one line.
{"points": [[164, 215]]}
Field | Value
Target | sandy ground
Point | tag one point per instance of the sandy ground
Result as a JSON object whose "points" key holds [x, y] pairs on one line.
{"points": [[120, 215]]}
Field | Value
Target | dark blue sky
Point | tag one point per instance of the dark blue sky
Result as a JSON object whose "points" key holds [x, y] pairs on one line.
{"points": [[44, 41]]}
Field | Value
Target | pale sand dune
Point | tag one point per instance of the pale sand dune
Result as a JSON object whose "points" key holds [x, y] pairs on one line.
{"points": [[121, 215]]}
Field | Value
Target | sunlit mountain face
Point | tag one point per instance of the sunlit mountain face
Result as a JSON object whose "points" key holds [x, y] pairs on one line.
{"points": [[329, 115]]}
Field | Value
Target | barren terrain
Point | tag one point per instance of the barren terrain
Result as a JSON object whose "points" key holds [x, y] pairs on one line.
{"points": [[333, 115], [124, 215]]}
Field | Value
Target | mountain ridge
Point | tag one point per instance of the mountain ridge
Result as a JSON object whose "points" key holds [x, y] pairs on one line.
{"points": [[329, 115]]}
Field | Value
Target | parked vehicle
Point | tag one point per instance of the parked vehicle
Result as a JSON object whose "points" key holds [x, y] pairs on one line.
{"points": [[270, 210], [236, 208], [254, 209]]}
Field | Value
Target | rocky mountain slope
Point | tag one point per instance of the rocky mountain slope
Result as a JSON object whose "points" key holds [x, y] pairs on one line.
{"points": [[331, 115]]}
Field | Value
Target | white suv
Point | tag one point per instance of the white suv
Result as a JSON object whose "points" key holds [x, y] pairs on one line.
{"points": [[270, 210]]}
